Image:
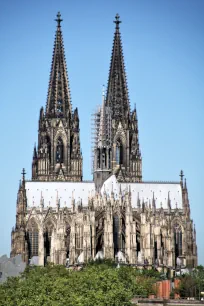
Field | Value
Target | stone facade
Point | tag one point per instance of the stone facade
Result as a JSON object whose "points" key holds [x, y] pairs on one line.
{"points": [[118, 215]]}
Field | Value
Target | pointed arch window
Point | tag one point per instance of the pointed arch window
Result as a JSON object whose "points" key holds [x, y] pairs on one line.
{"points": [[98, 158], [115, 233], [109, 158], [59, 151], [48, 146], [138, 238], [155, 251], [119, 153], [67, 238], [178, 240], [100, 234], [79, 239], [47, 238], [122, 246], [32, 239], [162, 244]]}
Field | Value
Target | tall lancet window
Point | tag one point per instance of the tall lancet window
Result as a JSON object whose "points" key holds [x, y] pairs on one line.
{"points": [[67, 238], [178, 240], [115, 233], [32, 239], [59, 151], [48, 146], [98, 158], [119, 153], [99, 233], [47, 238]]}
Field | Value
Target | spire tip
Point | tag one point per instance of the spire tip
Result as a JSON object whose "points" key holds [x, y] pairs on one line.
{"points": [[117, 21], [58, 19]]}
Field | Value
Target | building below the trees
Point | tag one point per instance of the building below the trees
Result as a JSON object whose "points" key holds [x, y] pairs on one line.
{"points": [[60, 217]]}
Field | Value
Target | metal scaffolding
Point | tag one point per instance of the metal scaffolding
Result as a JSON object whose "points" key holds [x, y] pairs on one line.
{"points": [[95, 124]]}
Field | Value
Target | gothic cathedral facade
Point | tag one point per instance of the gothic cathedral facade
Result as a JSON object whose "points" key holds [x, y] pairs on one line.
{"points": [[62, 218]]}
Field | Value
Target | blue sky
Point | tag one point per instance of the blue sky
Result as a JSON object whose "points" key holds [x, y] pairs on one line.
{"points": [[163, 46]]}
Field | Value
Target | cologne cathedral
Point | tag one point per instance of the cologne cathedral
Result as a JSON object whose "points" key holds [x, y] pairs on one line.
{"points": [[60, 218]]}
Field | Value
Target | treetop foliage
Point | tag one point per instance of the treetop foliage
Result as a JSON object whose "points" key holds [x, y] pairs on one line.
{"points": [[97, 284]]}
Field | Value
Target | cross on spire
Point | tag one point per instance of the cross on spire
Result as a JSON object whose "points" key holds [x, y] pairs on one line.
{"points": [[59, 20], [181, 176], [117, 21], [23, 174]]}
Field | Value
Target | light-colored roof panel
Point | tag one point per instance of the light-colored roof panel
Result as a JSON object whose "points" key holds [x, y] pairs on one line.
{"points": [[49, 190], [82, 190], [145, 192]]}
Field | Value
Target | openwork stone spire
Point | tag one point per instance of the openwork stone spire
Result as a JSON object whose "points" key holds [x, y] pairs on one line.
{"points": [[117, 93], [59, 99], [102, 128]]}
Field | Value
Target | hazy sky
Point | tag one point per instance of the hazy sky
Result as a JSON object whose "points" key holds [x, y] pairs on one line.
{"points": [[163, 44]]}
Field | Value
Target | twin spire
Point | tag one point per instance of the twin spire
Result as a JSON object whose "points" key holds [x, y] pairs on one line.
{"points": [[59, 98], [117, 93]]}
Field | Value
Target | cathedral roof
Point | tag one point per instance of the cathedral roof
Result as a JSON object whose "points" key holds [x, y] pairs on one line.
{"points": [[65, 191], [146, 191], [80, 191]]}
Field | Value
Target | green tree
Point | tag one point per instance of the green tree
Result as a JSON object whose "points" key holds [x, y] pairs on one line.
{"points": [[97, 284], [192, 283]]}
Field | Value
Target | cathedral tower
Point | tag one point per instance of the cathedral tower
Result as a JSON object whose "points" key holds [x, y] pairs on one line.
{"points": [[58, 156], [117, 143]]}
